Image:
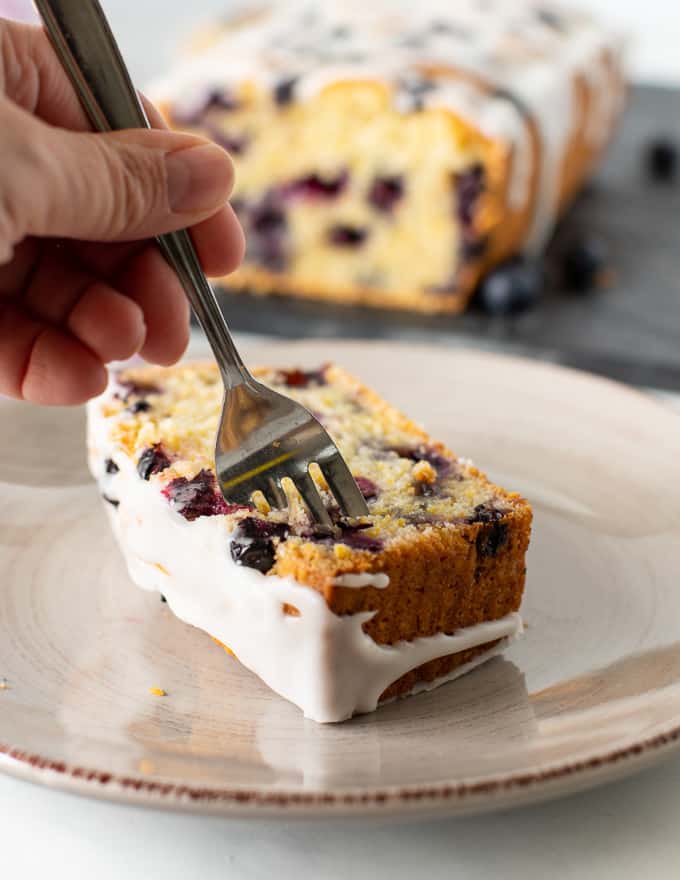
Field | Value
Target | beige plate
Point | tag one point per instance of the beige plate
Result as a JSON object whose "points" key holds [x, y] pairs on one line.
{"points": [[590, 694]]}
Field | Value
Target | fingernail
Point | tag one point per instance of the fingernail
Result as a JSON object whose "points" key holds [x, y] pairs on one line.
{"points": [[199, 178]]}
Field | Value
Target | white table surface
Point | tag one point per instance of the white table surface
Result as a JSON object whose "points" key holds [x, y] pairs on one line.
{"points": [[621, 831]]}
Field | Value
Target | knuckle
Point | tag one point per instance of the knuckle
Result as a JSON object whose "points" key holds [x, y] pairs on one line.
{"points": [[20, 162], [136, 189]]}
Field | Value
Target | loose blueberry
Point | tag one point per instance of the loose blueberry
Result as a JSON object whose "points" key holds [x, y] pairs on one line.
{"points": [[312, 186], [110, 466], [344, 235], [662, 159], [367, 487], [297, 378], [198, 496], [511, 288], [152, 461], [583, 263], [252, 544], [139, 406], [494, 534], [385, 192], [284, 92]]}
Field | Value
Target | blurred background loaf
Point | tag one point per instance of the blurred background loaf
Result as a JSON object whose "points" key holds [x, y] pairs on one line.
{"points": [[391, 154], [604, 295]]}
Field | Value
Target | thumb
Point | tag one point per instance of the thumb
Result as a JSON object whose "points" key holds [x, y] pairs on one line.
{"points": [[116, 186]]}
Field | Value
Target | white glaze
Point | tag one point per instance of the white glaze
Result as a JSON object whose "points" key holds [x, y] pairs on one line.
{"points": [[324, 663], [379, 580], [538, 76]]}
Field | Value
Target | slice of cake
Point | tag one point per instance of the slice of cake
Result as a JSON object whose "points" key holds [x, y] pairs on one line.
{"points": [[425, 587], [390, 152]]}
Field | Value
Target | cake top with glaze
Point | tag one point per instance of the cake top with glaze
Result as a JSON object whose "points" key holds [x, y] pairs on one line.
{"points": [[500, 65], [165, 422], [292, 43]]}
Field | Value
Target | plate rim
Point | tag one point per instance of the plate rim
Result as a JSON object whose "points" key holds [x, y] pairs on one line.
{"points": [[449, 798], [551, 780]]}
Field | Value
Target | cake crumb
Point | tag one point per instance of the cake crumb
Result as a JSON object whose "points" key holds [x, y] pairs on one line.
{"points": [[342, 551], [423, 472], [146, 766], [290, 610], [158, 692], [4, 685], [225, 647]]}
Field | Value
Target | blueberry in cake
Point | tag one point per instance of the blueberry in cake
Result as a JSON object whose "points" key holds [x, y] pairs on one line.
{"points": [[392, 152], [422, 589]]}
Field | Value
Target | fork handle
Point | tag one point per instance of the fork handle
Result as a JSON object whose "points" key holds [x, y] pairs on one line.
{"points": [[88, 52]]}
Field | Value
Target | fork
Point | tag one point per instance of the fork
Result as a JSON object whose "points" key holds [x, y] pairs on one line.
{"points": [[263, 436]]}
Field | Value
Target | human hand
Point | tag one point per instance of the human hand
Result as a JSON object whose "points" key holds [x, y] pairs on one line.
{"points": [[80, 282]]}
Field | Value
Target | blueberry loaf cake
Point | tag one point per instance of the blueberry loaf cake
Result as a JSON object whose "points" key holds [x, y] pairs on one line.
{"points": [[422, 589], [389, 153]]}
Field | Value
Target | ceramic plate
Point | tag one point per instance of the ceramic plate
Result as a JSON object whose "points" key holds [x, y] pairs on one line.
{"points": [[592, 692]]}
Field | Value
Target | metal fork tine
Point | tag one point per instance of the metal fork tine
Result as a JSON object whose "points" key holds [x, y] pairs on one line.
{"points": [[277, 493], [310, 495], [343, 486], [239, 493], [271, 491]]}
